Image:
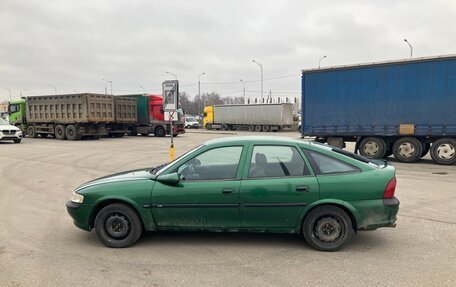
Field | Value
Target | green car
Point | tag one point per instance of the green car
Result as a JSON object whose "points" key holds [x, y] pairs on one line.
{"points": [[254, 184]]}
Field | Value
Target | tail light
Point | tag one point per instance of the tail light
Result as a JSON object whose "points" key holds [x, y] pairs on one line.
{"points": [[390, 189]]}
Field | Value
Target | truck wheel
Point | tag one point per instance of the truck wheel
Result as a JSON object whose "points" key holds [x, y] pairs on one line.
{"points": [[265, 128], [407, 149], [443, 151], [372, 147], [159, 132], [60, 132], [71, 133], [327, 228], [251, 128], [31, 132], [118, 225], [224, 127], [133, 132], [258, 128], [208, 126]]}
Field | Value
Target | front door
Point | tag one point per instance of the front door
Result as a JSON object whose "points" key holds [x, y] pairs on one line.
{"points": [[276, 187], [207, 195]]}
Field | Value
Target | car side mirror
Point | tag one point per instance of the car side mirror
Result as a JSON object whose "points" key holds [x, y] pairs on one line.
{"points": [[172, 178]]}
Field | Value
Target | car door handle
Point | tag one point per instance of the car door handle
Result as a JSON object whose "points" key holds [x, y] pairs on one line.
{"points": [[227, 190], [302, 188]]}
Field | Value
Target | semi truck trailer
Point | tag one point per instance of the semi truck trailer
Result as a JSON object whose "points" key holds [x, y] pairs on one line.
{"points": [[69, 116], [404, 108], [254, 117]]}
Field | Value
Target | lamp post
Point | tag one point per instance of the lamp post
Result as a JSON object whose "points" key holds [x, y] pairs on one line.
{"points": [[411, 47], [142, 89], [199, 83], [174, 75], [110, 83], [55, 88], [261, 69], [319, 62], [245, 102], [9, 91]]}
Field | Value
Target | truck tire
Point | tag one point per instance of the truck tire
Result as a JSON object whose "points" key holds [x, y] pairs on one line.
{"points": [[372, 147], [59, 132], [265, 128], [258, 128], [31, 132], [133, 132], [443, 151], [208, 126], [160, 131], [407, 149], [251, 128], [224, 127], [71, 133]]}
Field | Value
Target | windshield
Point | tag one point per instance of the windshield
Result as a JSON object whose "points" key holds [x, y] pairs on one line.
{"points": [[161, 168], [190, 119], [3, 122]]}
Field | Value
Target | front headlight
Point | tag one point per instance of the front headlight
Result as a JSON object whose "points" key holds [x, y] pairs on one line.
{"points": [[77, 198], [18, 133]]}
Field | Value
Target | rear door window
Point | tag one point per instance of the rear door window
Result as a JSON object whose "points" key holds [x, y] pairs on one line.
{"points": [[324, 164]]}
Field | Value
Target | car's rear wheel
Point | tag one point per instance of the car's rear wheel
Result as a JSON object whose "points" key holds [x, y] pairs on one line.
{"points": [[327, 228], [118, 225]]}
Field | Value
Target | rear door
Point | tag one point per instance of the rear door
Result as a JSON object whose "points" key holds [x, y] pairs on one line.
{"points": [[276, 187]]}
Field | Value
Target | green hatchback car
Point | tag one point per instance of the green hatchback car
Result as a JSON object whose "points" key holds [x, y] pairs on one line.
{"points": [[255, 184]]}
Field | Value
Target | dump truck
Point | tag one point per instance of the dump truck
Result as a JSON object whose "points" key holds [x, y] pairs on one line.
{"points": [[69, 116], [125, 115], [404, 108], [254, 117], [151, 119]]}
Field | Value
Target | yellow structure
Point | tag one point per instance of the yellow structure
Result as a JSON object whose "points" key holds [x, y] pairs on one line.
{"points": [[208, 115]]}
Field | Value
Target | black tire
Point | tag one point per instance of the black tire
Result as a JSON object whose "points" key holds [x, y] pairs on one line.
{"points": [[258, 128], [133, 132], [17, 141], [372, 147], [208, 126], [327, 228], [31, 132], [71, 133], [160, 132], [265, 128], [224, 127], [426, 148], [443, 151], [59, 132], [251, 128], [407, 149], [118, 225]]}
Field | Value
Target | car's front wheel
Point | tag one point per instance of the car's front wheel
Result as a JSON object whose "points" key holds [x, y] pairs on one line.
{"points": [[327, 228], [118, 225]]}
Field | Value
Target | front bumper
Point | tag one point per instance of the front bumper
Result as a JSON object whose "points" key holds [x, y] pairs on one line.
{"points": [[80, 213]]}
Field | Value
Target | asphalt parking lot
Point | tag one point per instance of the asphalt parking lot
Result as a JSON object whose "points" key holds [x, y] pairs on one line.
{"points": [[40, 246]]}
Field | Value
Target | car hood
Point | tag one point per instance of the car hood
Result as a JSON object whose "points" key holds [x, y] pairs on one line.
{"points": [[8, 127], [121, 176]]}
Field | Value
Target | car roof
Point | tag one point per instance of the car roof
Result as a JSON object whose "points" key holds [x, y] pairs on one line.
{"points": [[255, 139]]}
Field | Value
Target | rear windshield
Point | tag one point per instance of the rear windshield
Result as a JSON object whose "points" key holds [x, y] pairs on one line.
{"points": [[373, 162]]}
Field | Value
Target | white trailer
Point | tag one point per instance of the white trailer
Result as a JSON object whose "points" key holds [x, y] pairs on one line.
{"points": [[254, 117]]}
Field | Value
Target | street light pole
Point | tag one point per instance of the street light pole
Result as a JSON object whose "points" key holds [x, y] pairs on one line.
{"points": [[319, 62], [174, 75], [110, 83], [245, 102], [55, 88], [261, 68], [411, 47], [9, 91], [199, 83]]}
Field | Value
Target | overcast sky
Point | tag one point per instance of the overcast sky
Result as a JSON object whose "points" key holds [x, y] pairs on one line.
{"points": [[73, 45]]}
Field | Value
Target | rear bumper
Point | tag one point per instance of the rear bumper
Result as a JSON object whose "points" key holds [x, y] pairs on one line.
{"points": [[373, 214]]}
